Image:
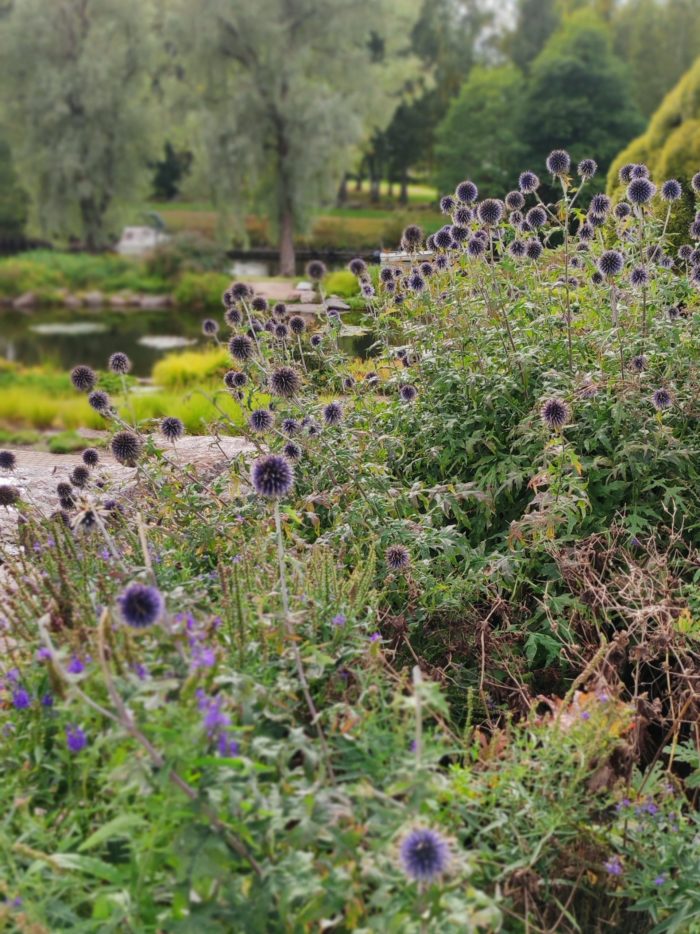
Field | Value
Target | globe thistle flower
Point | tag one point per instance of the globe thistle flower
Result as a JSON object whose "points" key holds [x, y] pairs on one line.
{"points": [[640, 190], [241, 347], [416, 282], [622, 211], [240, 292], [695, 257], [372, 378], [536, 217], [64, 489], [119, 363], [408, 393], [595, 221], [83, 378], [476, 247], [514, 200], [671, 190], [367, 290], [333, 413], [227, 299], [272, 476], [426, 268], [558, 162], [639, 171], [141, 605], [528, 182], [316, 340], [611, 263], [259, 304], [234, 379], [172, 428], [673, 312], [279, 310], [490, 212], [397, 557], [517, 249], [694, 230], [587, 168], [80, 476], [443, 238], [412, 237], [91, 457], [8, 461], [281, 332], [390, 287], [639, 363], [447, 204], [126, 448], [533, 249], [442, 262], [285, 382], [357, 266], [424, 855], [233, 317], [348, 383], [386, 274], [269, 326], [459, 234], [463, 216], [291, 427], [555, 414], [524, 227], [662, 399], [316, 270], [430, 242], [292, 451], [210, 327], [596, 278], [586, 231], [639, 277], [516, 218], [99, 401], [625, 173], [695, 276], [600, 205], [685, 252], [261, 420], [8, 495], [466, 192]]}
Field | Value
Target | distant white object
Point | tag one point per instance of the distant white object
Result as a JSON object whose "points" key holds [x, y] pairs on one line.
{"points": [[304, 287], [165, 342], [390, 259], [135, 241]]}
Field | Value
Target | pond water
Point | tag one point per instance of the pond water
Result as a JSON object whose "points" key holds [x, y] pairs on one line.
{"points": [[64, 337]]}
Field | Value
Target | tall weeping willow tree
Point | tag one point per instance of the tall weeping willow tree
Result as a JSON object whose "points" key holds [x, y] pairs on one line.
{"points": [[285, 91], [74, 88]]}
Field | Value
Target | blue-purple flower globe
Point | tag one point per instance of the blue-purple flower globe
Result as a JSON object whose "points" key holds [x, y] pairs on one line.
{"points": [[272, 476], [466, 192], [640, 190], [558, 162], [424, 855], [611, 263], [671, 190], [141, 605]]}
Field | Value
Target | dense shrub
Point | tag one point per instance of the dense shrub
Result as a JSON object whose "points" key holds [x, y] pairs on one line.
{"points": [[200, 289]]}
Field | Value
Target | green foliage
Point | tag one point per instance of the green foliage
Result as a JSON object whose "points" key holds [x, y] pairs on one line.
{"points": [[13, 199], [201, 289], [46, 271], [578, 90], [342, 283], [479, 137]]}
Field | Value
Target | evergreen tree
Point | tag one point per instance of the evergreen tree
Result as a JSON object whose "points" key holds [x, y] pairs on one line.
{"points": [[13, 199], [536, 21]]}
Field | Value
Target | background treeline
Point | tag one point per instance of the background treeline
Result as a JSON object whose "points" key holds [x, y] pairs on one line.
{"points": [[278, 108]]}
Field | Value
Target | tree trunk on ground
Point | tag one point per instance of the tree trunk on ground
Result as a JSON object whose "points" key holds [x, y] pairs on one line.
{"points": [[342, 196], [374, 189], [358, 181], [286, 244], [390, 189], [403, 197]]}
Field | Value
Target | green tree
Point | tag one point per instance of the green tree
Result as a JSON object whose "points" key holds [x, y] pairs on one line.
{"points": [[578, 95], [76, 105], [288, 91], [13, 199], [479, 136], [535, 23], [659, 39]]}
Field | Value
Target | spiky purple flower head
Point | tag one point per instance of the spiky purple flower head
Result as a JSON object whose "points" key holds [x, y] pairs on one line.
{"points": [[241, 347], [272, 476], [611, 263], [424, 855], [126, 448], [8, 460], [240, 292], [408, 393], [638, 363], [233, 316], [517, 249], [443, 238], [357, 266], [625, 173], [316, 340], [640, 190], [514, 201], [671, 190], [639, 277], [316, 270], [292, 451], [141, 605], [83, 378], [119, 363], [533, 249], [285, 382], [466, 192], [694, 230], [416, 282], [555, 414], [291, 427], [210, 327], [261, 420], [234, 379], [9, 495], [528, 182], [622, 211], [459, 234], [600, 205], [558, 162], [476, 247], [412, 237], [586, 231], [397, 557], [447, 204], [79, 476], [587, 168], [662, 399], [639, 171], [172, 428], [685, 252], [333, 413], [463, 216], [536, 217], [490, 212]]}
